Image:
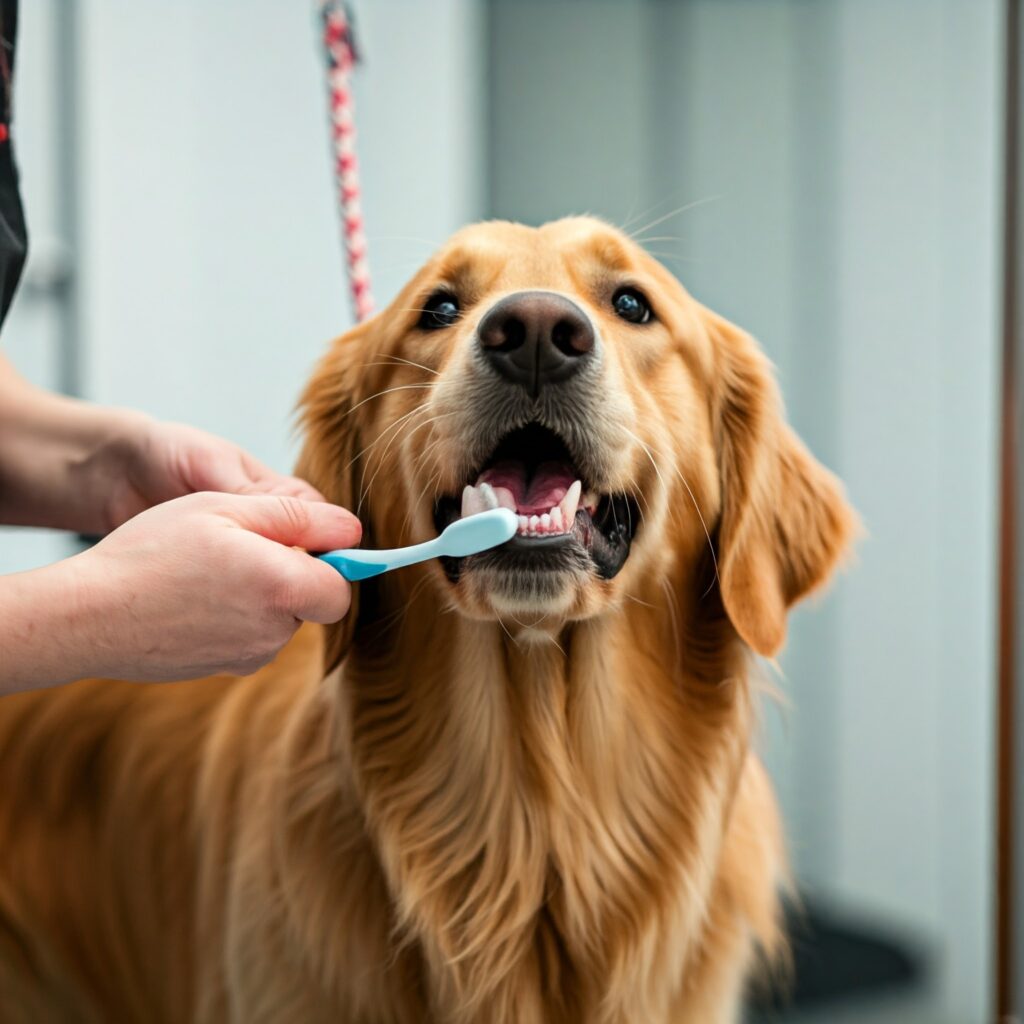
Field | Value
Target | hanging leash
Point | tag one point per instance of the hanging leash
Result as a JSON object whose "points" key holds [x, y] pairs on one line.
{"points": [[342, 56]]}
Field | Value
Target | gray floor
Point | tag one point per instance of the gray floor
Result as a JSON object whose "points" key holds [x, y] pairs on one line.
{"points": [[903, 1009]]}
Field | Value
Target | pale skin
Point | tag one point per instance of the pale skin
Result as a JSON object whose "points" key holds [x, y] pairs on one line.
{"points": [[199, 570]]}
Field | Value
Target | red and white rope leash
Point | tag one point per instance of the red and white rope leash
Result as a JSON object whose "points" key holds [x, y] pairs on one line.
{"points": [[340, 49]]}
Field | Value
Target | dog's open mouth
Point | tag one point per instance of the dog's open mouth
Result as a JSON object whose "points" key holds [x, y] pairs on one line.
{"points": [[533, 473]]}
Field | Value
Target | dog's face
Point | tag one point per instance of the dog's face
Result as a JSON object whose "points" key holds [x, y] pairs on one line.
{"points": [[563, 373]]}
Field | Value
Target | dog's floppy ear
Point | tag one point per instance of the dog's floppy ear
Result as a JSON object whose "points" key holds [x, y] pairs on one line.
{"points": [[329, 415], [785, 521]]}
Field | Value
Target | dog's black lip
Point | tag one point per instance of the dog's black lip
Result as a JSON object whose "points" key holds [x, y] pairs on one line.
{"points": [[519, 543]]}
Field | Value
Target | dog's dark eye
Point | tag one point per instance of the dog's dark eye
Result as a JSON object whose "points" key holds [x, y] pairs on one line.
{"points": [[440, 310], [631, 305]]}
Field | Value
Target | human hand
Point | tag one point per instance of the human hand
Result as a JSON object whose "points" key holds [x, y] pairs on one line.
{"points": [[147, 461], [203, 584], [200, 584]]}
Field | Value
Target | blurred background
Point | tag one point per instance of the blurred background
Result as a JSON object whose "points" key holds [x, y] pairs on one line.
{"points": [[826, 173]]}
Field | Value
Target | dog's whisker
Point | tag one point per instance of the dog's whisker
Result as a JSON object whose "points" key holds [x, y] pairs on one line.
{"points": [[431, 484], [646, 242], [673, 614], [388, 391], [648, 211], [673, 213], [386, 430], [380, 461], [429, 450], [501, 622], [364, 492], [391, 360], [671, 257]]}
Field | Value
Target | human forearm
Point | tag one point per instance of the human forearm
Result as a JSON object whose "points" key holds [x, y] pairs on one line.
{"points": [[72, 465], [58, 456], [44, 627]]}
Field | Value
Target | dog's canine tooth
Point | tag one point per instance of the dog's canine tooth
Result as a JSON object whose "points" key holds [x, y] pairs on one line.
{"points": [[570, 503], [487, 495], [472, 501]]}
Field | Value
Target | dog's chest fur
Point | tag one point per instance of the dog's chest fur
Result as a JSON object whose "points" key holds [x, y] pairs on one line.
{"points": [[548, 838]]}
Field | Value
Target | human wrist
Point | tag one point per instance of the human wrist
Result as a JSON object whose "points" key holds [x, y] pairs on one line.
{"points": [[100, 465], [59, 457]]}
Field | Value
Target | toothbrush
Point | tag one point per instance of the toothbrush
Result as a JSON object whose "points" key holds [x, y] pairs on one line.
{"points": [[464, 537]]}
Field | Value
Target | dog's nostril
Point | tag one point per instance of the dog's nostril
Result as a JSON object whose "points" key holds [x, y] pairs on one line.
{"points": [[572, 337], [502, 334], [515, 335], [561, 335]]}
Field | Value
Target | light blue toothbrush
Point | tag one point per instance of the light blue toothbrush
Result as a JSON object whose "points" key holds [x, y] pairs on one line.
{"points": [[464, 537]]}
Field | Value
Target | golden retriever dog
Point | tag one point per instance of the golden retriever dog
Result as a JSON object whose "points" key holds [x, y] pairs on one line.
{"points": [[514, 787]]}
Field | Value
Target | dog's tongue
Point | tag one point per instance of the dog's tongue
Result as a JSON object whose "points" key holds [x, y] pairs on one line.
{"points": [[545, 489]]}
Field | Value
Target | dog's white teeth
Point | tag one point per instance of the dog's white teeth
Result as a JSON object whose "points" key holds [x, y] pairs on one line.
{"points": [[558, 519], [570, 503], [487, 495], [472, 501]]}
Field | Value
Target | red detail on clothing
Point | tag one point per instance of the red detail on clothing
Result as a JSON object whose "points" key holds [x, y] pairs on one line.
{"points": [[5, 133]]}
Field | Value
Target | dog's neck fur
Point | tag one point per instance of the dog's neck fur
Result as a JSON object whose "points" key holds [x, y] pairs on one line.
{"points": [[531, 811]]}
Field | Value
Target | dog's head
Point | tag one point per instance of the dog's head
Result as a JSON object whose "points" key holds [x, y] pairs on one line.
{"points": [[563, 373]]}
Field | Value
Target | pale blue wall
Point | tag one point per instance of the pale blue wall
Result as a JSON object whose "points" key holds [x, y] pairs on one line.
{"points": [[213, 271]]}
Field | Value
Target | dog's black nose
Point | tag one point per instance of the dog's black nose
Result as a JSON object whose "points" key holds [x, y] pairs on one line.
{"points": [[536, 338]]}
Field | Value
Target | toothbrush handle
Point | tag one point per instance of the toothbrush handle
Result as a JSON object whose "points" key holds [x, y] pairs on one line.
{"points": [[359, 564], [354, 569]]}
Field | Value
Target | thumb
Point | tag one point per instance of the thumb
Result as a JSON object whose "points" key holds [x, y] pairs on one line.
{"points": [[295, 522]]}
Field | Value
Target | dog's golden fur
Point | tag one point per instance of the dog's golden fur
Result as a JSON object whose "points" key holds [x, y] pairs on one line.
{"points": [[450, 807]]}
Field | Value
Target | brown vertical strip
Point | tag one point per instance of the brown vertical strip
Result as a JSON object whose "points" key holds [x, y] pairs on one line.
{"points": [[1007, 998]]}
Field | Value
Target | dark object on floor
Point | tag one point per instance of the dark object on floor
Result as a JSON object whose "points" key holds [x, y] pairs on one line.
{"points": [[836, 959]]}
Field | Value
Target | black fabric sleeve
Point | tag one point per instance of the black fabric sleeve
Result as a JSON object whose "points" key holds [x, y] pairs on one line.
{"points": [[13, 236]]}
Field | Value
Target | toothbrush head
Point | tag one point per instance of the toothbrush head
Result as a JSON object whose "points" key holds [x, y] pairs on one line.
{"points": [[479, 532]]}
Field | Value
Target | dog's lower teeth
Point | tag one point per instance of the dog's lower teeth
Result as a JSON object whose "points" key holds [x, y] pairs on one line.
{"points": [[550, 524]]}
